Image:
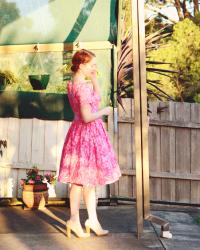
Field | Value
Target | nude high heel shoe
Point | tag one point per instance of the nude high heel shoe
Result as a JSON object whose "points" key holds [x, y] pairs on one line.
{"points": [[70, 227], [97, 229]]}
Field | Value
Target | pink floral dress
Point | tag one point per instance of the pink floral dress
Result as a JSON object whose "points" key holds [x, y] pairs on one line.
{"points": [[87, 157]]}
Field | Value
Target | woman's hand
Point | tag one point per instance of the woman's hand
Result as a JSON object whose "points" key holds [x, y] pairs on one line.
{"points": [[89, 116], [93, 75], [107, 110]]}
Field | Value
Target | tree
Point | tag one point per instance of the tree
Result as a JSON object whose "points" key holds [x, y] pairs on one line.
{"points": [[153, 39], [185, 8], [183, 52]]}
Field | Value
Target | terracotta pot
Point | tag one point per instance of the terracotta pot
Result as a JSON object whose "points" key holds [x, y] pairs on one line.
{"points": [[35, 187], [35, 196]]}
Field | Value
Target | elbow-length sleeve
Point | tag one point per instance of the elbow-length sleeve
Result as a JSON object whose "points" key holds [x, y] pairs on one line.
{"points": [[85, 94]]}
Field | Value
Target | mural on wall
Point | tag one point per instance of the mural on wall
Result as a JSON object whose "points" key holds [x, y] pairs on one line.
{"points": [[52, 21]]}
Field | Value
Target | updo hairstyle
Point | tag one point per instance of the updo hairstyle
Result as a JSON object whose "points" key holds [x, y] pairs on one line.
{"points": [[81, 57]]}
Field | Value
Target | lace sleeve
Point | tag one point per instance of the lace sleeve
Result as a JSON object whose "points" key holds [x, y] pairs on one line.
{"points": [[85, 94]]}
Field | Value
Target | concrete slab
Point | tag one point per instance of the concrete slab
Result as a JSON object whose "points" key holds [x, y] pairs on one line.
{"points": [[45, 230], [186, 233]]}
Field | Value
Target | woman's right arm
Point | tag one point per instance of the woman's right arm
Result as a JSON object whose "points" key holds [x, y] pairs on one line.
{"points": [[88, 116]]}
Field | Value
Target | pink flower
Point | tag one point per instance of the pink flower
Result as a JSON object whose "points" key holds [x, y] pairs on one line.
{"points": [[38, 178], [31, 181]]}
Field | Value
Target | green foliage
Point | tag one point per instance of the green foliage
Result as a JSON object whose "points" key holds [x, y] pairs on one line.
{"points": [[9, 77], [196, 19], [197, 220], [183, 52], [33, 177]]}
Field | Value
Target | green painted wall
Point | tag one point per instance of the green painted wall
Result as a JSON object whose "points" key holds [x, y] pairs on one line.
{"points": [[51, 21]]}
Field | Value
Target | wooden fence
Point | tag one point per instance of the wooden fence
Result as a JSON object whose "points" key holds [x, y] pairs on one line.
{"points": [[174, 151], [32, 142]]}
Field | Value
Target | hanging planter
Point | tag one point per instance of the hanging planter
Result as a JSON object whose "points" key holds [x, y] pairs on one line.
{"points": [[39, 82], [40, 79]]}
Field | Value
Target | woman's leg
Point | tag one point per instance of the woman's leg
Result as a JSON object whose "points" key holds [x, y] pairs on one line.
{"points": [[90, 201], [74, 222], [75, 197], [89, 195]]}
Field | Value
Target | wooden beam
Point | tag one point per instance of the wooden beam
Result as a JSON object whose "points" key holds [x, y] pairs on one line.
{"points": [[137, 114], [175, 124], [143, 100], [55, 47], [165, 175]]}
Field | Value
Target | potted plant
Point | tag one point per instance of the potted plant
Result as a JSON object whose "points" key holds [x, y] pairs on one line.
{"points": [[39, 81], [38, 78], [6, 77], [35, 188]]}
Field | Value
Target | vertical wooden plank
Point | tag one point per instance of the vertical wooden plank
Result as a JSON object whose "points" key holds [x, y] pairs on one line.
{"points": [[61, 189], [37, 156], [2, 182], [62, 130], [114, 187], [13, 140], [8, 183], [133, 148], [183, 187], [21, 175], [126, 186], [153, 107], [50, 151], [11, 183], [195, 112], [102, 191], [25, 140], [154, 153], [168, 151], [195, 153], [125, 150], [138, 79], [4, 136]]}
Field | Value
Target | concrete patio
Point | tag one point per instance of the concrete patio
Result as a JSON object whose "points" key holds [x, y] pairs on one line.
{"points": [[26, 230]]}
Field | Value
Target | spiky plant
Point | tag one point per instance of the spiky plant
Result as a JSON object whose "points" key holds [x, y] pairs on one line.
{"points": [[153, 40]]}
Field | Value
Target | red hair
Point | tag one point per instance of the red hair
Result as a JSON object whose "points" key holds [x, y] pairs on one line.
{"points": [[81, 57]]}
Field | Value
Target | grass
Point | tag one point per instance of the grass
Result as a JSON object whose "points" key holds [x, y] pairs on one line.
{"points": [[197, 220]]}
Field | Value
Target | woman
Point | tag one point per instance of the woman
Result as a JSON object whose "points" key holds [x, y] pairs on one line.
{"points": [[87, 157]]}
